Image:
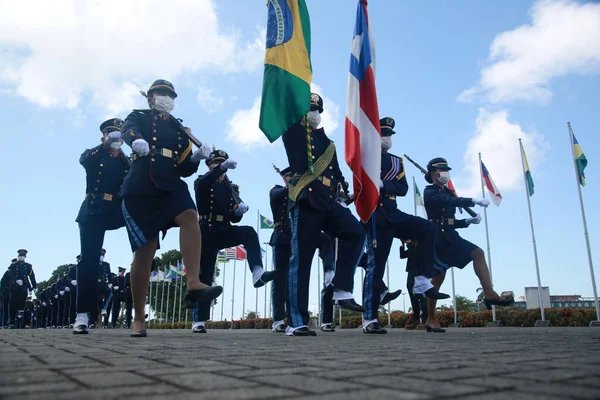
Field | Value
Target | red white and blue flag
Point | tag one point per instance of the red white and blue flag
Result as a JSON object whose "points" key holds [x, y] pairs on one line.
{"points": [[495, 195], [362, 130]]}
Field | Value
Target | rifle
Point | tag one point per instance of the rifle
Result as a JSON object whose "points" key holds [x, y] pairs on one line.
{"points": [[424, 171]]}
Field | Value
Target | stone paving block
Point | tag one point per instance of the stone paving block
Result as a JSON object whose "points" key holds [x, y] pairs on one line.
{"points": [[510, 395], [12, 378], [593, 381], [246, 393], [549, 375], [58, 386], [109, 379], [307, 384], [565, 391], [368, 394], [419, 385], [207, 381], [241, 373]]}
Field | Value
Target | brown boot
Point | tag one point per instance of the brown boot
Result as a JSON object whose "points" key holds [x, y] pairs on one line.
{"points": [[411, 326]]}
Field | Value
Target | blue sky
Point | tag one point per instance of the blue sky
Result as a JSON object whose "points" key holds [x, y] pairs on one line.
{"points": [[458, 77]]}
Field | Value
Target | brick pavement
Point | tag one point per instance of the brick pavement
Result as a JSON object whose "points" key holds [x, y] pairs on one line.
{"points": [[484, 363]]}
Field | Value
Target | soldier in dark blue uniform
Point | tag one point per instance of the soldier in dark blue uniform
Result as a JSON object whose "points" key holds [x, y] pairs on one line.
{"points": [[389, 223], [155, 198], [72, 281], [451, 249], [281, 244], [418, 303], [218, 206], [104, 292], [318, 202], [5, 297], [106, 167], [118, 290], [128, 301], [22, 280]]}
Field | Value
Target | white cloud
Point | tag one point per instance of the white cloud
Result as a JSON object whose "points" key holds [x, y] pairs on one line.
{"points": [[242, 129], [208, 101], [563, 38], [56, 52], [497, 139]]}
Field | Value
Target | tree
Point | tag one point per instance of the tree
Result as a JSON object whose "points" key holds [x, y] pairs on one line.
{"points": [[464, 304], [57, 274], [252, 315]]}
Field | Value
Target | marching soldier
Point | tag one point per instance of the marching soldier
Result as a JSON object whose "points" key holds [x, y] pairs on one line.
{"points": [[452, 250], [106, 167], [22, 279], [28, 313], [5, 294], [318, 202], [128, 301], [388, 222], [155, 198], [418, 303], [280, 242], [218, 206], [104, 291], [118, 291], [72, 281]]}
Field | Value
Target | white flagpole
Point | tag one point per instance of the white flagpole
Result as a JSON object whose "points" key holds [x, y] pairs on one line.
{"points": [[454, 297], [150, 304], [175, 300], [362, 291], [487, 235], [156, 297], [585, 229], [223, 297], [320, 319], [537, 267], [186, 318], [244, 294], [180, 291], [168, 293], [336, 257], [258, 233], [162, 299], [388, 285], [233, 287]]}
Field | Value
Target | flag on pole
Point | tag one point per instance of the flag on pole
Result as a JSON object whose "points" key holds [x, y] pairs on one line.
{"points": [[451, 187], [172, 272], [418, 197], [222, 256], [528, 177], [153, 276], [362, 130], [288, 70], [230, 253], [580, 160], [240, 253], [180, 269], [491, 186], [265, 223]]}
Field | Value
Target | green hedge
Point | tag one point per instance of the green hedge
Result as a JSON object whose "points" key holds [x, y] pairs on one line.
{"points": [[508, 317]]}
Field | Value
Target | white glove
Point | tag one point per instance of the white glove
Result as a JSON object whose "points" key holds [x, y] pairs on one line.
{"points": [[19, 282], [116, 287], [67, 289], [380, 184], [228, 164], [474, 220], [328, 280], [110, 285], [44, 303], [74, 282], [342, 203], [141, 147], [481, 202], [56, 296], [202, 153], [242, 208], [114, 136], [62, 292]]}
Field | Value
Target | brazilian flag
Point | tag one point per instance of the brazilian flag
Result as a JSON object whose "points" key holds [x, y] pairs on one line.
{"points": [[265, 223], [288, 69]]}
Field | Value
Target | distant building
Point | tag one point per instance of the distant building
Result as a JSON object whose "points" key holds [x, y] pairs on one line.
{"points": [[554, 301]]}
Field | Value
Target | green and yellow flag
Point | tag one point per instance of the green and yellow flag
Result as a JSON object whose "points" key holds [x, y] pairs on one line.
{"points": [[265, 223], [288, 69], [580, 160], [528, 174]]}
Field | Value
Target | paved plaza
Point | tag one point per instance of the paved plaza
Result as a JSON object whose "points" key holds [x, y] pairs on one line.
{"points": [[464, 363]]}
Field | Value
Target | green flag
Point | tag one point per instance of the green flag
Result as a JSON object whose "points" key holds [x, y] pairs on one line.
{"points": [[288, 70], [580, 161], [265, 223]]}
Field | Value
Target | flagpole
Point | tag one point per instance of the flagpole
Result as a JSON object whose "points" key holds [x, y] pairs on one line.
{"points": [[174, 302], [223, 297], [390, 303], [150, 302], [320, 319], [266, 267], [180, 289], [454, 298], [168, 293], [336, 257], [487, 235], [258, 234], [156, 298], [585, 230], [233, 286], [414, 195], [537, 267], [244, 297], [162, 299]]}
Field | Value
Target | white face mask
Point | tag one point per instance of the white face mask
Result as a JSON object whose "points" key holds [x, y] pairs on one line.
{"points": [[21, 258], [164, 104], [444, 177], [114, 146], [314, 119], [101, 258], [386, 143]]}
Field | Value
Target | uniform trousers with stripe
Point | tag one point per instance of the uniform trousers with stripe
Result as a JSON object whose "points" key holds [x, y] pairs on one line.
{"points": [[306, 224], [402, 226], [92, 238]]}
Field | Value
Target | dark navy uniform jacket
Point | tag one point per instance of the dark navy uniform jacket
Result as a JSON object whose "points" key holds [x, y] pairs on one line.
{"points": [[104, 177], [394, 181], [440, 205], [23, 271], [215, 202], [282, 234], [104, 275], [121, 283], [128, 284], [320, 193], [169, 158]]}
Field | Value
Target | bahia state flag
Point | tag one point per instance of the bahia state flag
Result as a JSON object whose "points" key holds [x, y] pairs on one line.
{"points": [[288, 70], [580, 161]]}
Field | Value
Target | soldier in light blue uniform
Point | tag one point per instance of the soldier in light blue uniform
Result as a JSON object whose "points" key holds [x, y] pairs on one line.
{"points": [[451, 249], [155, 198]]}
